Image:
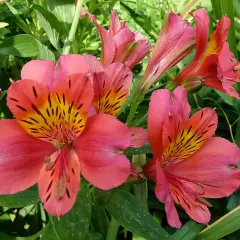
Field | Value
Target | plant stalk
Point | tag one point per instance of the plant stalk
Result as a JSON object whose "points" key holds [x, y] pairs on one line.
{"points": [[73, 29]]}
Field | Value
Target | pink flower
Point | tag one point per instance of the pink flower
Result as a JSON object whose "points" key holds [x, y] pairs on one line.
{"points": [[53, 142], [189, 164], [111, 88], [213, 65], [175, 41], [120, 44]]}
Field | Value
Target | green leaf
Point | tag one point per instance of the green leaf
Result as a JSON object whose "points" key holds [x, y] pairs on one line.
{"points": [[145, 149], [63, 10], [22, 199], [74, 225], [226, 98], [24, 45], [100, 221], [227, 224], [94, 236], [3, 93], [101, 198], [19, 22], [128, 211], [233, 201], [48, 22], [188, 232]]}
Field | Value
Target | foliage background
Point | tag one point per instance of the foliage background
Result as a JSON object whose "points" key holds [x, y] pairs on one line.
{"points": [[38, 29]]}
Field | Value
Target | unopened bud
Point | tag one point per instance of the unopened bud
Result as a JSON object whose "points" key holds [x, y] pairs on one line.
{"points": [[193, 84]]}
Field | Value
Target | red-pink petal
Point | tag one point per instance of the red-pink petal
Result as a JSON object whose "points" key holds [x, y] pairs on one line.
{"points": [[179, 104], [163, 194], [121, 78], [159, 109], [21, 157], [138, 52], [102, 141], [202, 25], [108, 47], [57, 188], [139, 137], [212, 166], [42, 71], [176, 40], [71, 64], [123, 41], [107, 176], [93, 63], [190, 201], [115, 24]]}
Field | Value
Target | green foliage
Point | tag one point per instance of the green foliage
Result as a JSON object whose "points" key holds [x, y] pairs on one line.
{"points": [[39, 29]]}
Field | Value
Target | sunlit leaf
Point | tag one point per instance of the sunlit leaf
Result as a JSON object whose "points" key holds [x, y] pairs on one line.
{"points": [[22, 199]]}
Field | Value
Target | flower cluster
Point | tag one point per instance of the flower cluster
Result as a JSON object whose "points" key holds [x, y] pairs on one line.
{"points": [[65, 123]]}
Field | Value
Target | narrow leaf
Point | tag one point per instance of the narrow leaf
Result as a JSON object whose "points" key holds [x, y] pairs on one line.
{"points": [[188, 232], [129, 212], [227, 224]]}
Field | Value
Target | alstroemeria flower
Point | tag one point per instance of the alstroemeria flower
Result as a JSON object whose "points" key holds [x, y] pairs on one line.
{"points": [[213, 65], [53, 142], [111, 88], [120, 44], [189, 164], [175, 41]]}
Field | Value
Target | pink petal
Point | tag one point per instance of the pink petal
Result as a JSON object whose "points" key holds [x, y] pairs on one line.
{"points": [[115, 24], [176, 40], [47, 74], [171, 130], [41, 71], [93, 63], [21, 157], [104, 94], [123, 41], [163, 194], [179, 104], [202, 25], [150, 170], [213, 167], [107, 176], [138, 52], [108, 47], [102, 141], [202, 123], [71, 64], [159, 108], [58, 188], [121, 77], [139, 137], [193, 206]]}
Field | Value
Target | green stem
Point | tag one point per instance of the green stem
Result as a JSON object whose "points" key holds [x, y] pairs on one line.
{"points": [[237, 134], [137, 99], [112, 229], [73, 29]]}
